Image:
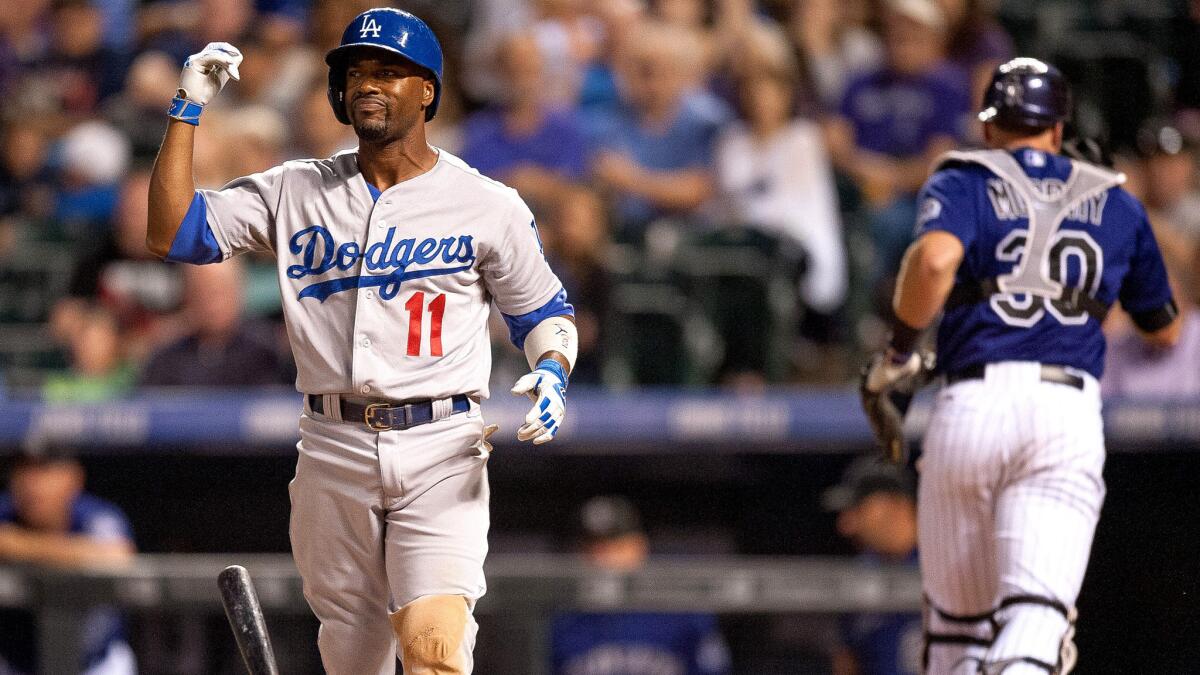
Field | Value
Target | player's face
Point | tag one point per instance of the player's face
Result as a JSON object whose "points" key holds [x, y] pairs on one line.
{"points": [[386, 96], [868, 523], [42, 493]]}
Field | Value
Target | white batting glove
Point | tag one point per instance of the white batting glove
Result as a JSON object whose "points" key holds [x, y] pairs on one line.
{"points": [[890, 369], [547, 388], [204, 75]]}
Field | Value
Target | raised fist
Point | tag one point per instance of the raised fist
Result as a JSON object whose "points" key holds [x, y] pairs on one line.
{"points": [[206, 72]]}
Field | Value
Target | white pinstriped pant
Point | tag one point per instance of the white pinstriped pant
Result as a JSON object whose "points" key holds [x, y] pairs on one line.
{"points": [[1010, 493]]}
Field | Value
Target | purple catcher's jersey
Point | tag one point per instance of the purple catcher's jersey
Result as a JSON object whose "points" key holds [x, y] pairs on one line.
{"points": [[1103, 246]]}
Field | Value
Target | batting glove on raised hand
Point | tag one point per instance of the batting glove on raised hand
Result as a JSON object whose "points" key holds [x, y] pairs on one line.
{"points": [[204, 75], [547, 388]]}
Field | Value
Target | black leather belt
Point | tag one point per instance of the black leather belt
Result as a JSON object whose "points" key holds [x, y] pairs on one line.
{"points": [[388, 416], [1055, 374]]}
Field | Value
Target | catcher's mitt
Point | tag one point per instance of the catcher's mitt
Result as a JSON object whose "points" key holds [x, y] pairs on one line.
{"points": [[885, 411], [886, 391]]}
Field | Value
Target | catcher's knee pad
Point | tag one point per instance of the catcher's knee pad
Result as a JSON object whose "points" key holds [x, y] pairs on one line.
{"points": [[1025, 641], [955, 642], [431, 630]]}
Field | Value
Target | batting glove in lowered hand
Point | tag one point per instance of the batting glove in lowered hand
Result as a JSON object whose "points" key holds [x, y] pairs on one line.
{"points": [[204, 75], [547, 388], [887, 387]]}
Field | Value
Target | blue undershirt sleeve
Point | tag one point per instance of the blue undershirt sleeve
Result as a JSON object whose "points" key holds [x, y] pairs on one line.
{"points": [[194, 242], [520, 325]]}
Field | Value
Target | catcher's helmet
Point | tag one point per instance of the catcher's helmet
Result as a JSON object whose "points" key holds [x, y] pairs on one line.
{"points": [[1026, 92], [396, 31]]}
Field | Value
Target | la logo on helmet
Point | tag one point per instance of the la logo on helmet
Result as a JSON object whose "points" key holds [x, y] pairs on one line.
{"points": [[369, 26]]}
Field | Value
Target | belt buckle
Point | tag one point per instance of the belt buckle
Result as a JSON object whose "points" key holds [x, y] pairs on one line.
{"points": [[369, 417]]}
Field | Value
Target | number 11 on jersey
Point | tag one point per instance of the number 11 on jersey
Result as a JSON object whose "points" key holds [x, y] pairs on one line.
{"points": [[416, 315]]}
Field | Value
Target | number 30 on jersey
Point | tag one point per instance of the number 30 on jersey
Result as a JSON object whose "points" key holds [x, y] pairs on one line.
{"points": [[1024, 309]]}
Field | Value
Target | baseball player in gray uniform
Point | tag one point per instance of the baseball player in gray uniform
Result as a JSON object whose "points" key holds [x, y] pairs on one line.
{"points": [[388, 259]]}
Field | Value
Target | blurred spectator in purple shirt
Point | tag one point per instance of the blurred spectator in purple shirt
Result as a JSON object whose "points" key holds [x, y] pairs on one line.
{"points": [[1137, 369], [895, 121], [526, 144]]}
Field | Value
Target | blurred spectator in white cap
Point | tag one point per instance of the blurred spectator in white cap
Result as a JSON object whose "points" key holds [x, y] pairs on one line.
{"points": [[93, 157], [1166, 175]]}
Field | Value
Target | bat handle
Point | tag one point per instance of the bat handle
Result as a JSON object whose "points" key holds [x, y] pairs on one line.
{"points": [[246, 619]]}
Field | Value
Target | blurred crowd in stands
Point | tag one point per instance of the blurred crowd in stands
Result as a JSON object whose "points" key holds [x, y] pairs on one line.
{"points": [[725, 186]]}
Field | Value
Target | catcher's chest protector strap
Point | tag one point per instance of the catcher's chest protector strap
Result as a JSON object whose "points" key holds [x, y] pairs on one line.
{"points": [[1047, 204]]}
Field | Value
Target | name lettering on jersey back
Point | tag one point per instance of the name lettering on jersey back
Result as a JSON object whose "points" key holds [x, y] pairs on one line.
{"points": [[1008, 205], [320, 253]]}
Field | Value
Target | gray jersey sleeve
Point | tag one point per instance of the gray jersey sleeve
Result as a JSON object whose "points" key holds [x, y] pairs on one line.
{"points": [[516, 273], [242, 214]]}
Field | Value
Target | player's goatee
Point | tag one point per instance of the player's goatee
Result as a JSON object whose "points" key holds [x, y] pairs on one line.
{"points": [[371, 130]]}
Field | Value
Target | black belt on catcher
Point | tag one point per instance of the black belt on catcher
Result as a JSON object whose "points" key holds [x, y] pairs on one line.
{"points": [[1055, 374], [383, 416]]}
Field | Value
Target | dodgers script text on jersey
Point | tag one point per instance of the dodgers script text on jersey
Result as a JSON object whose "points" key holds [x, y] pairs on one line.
{"points": [[409, 272]]}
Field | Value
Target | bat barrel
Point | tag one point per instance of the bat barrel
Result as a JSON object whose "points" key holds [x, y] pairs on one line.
{"points": [[246, 618]]}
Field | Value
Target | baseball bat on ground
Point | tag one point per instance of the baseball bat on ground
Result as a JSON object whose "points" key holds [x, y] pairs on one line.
{"points": [[246, 618]]}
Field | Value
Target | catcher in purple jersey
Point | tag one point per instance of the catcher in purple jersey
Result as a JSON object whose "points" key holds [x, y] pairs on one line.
{"points": [[1022, 252]]}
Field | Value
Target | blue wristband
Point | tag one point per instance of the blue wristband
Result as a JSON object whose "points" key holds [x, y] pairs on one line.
{"points": [[185, 111], [554, 367]]}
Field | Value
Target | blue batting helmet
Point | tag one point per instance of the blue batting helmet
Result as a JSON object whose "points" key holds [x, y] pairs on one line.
{"points": [[1026, 92], [393, 30]]}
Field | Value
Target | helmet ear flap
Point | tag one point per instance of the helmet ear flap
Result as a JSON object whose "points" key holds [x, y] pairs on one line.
{"points": [[337, 93]]}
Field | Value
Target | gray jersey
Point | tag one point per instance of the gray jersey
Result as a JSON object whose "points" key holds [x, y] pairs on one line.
{"points": [[388, 296]]}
